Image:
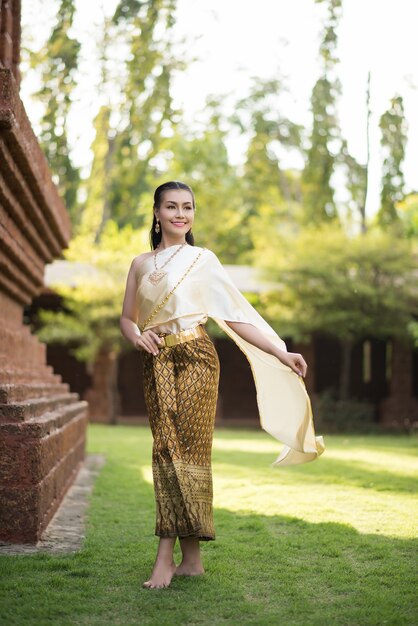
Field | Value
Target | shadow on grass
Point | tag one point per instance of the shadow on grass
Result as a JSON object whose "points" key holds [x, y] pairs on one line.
{"points": [[261, 570]]}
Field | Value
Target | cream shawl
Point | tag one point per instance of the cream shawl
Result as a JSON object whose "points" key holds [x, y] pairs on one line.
{"points": [[283, 402]]}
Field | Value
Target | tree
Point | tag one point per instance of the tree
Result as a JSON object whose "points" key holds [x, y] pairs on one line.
{"points": [[135, 115], [146, 114], [97, 209], [271, 134], [327, 153], [58, 64], [270, 194], [394, 136], [357, 174], [357, 184], [318, 194], [201, 159], [351, 289]]}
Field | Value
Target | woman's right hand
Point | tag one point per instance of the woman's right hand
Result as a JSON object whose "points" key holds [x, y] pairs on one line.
{"points": [[148, 341]]}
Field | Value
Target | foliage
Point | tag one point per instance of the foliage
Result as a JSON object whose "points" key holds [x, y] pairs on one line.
{"points": [[318, 194], [329, 41], [202, 160], [260, 212], [268, 190], [136, 59], [89, 319], [270, 135], [333, 415], [57, 63], [407, 211], [327, 156], [413, 329], [146, 113], [91, 310], [140, 141], [356, 183], [97, 208], [351, 288], [394, 135]]}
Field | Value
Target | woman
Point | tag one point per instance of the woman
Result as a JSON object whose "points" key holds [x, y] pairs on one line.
{"points": [[170, 293]]}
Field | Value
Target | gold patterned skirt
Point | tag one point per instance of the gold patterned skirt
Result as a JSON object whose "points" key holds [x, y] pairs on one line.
{"points": [[181, 390]]}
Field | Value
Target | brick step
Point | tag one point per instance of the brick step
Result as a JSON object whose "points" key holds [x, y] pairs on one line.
{"points": [[34, 407], [14, 376], [19, 393], [41, 426], [22, 348]]}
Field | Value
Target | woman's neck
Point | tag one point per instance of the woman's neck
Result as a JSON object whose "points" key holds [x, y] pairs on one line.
{"points": [[166, 242]]}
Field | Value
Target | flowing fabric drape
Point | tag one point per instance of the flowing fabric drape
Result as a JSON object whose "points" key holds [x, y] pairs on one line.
{"points": [[283, 402]]}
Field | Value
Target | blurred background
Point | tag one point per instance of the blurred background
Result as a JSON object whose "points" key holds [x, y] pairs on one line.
{"points": [[295, 125]]}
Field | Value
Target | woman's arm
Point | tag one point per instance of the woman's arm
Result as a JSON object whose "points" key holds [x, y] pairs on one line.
{"points": [[141, 341], [254, 336]]}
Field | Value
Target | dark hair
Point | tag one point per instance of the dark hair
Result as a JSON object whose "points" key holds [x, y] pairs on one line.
{"points": [[155, 238]]}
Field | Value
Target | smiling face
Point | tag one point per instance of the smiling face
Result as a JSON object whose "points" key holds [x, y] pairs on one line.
{"points": [[176, 212]]}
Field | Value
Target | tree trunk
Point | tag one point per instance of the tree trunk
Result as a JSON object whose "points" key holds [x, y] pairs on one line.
{"points": [[106, 213], [346, 347], [113, 387], [103, 396]]}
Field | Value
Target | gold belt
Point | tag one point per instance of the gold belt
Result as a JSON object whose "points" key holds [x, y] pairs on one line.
{"points": [[169, 340]]}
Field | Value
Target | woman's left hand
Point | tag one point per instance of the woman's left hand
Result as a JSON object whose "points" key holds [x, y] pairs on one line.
{"points": [[295, 361]]}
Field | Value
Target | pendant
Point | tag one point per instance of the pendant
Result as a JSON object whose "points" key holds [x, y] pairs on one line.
{"points": [[156, 276]]}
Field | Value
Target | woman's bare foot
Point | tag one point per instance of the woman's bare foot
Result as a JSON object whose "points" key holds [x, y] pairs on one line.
{"points": [[164, 566], [161, 575], [189, 569]]}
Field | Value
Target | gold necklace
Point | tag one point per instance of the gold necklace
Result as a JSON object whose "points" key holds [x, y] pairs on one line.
{"points": [[158, 274]]}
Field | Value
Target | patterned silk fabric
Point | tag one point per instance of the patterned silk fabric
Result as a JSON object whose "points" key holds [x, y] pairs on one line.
{"points": [[181, 390]]}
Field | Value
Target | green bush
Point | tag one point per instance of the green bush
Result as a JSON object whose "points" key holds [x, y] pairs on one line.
{"points": [[341, 416]]}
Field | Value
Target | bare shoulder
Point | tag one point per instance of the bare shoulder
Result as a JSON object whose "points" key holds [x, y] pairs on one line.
{"points": [[136, 262]]}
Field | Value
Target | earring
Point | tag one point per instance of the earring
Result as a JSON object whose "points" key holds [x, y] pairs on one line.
{"points": [[157, 228]]}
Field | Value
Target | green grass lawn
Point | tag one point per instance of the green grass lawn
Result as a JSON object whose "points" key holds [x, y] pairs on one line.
{"points": [[325, 543]]}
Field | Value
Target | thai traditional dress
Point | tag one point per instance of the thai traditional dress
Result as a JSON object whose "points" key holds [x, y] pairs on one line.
{"points": [[181, 387]]}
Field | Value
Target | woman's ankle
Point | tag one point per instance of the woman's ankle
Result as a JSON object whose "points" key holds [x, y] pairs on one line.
{"points": [[165, 552], [191, 560], [167, 559]]}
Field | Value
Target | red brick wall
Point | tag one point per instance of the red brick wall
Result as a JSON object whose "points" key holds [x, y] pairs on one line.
{"points": [[42, 424], [10, 36]]}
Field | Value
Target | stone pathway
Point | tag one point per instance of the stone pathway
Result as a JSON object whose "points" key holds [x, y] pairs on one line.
{"points": [[66, 531]]}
